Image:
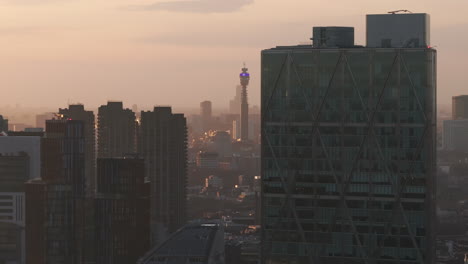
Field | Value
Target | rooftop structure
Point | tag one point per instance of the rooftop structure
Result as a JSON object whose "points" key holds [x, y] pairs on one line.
{"points": [[402, 30], [333, 37], [200, 243]]}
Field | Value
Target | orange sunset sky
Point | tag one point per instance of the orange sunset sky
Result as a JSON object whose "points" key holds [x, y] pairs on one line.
{"points": [[182, 52]]}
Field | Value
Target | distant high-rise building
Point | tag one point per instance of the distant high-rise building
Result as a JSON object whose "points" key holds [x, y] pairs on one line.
{"points": [[41, 119], [235, 131], [455, 135], [196, 124], [121, 211], [77, 112], [460, 107], [163, 146], [222, 144], [116, 131], [206, 115], [14, 172], [31, 145], [253, 129], [244, 116], [3, 124], [235, 103], [348, 150], [55, 210]]}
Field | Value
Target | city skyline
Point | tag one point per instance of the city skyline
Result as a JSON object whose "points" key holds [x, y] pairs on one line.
{"points": [[126, 50], [233, 132]]}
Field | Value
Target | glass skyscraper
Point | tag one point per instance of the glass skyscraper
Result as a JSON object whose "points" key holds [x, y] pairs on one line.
{"points": [[348, 151]]}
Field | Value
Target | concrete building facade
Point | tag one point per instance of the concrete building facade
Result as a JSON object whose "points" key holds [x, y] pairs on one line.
{"points": [[121, 211], [163, 146], [116, 131], [77, 112]]}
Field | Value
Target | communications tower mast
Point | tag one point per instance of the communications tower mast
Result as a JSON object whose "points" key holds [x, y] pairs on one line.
{"points": [[244, 120]]}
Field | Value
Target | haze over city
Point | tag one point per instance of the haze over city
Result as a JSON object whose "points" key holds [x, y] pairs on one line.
{"points": [[233, 132], [178, 53]]}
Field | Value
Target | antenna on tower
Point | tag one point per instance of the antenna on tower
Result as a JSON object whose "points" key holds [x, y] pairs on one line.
{"points": [[400, 11]]}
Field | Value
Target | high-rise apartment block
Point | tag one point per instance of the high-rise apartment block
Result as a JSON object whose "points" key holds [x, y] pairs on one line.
{"points": [[121, 211], [14, 172], [163, 146], [77, 112], [19, 162], [116, 131], [460, 107], [348, 147], [55, 210]]}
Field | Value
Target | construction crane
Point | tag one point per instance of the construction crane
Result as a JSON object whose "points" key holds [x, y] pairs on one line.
{"points": [[400, 11]]}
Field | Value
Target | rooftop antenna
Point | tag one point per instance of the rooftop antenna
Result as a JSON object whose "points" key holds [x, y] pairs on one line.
{"points": [[400, 11]]}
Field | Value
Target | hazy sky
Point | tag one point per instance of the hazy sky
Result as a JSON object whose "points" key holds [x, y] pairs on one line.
{"points": [[182, 52]]}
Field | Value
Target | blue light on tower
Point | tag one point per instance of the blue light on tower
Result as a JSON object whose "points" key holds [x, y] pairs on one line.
{"points": [[244, 76]]}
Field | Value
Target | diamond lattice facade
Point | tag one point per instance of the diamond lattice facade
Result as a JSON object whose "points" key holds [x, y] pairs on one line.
{"points": [[348, 155]]}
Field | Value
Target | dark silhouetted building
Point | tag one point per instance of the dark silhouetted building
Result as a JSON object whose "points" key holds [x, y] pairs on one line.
{"points": [[116, 131], [163, 146], [3, 124], [55, 210], [121, 211], [36, 205], [19, 162], [348, 151], [77, 112], [14, 172], [460, 107]]}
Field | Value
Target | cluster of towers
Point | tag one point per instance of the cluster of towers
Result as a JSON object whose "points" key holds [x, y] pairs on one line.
{"points": [[107, 202]]}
